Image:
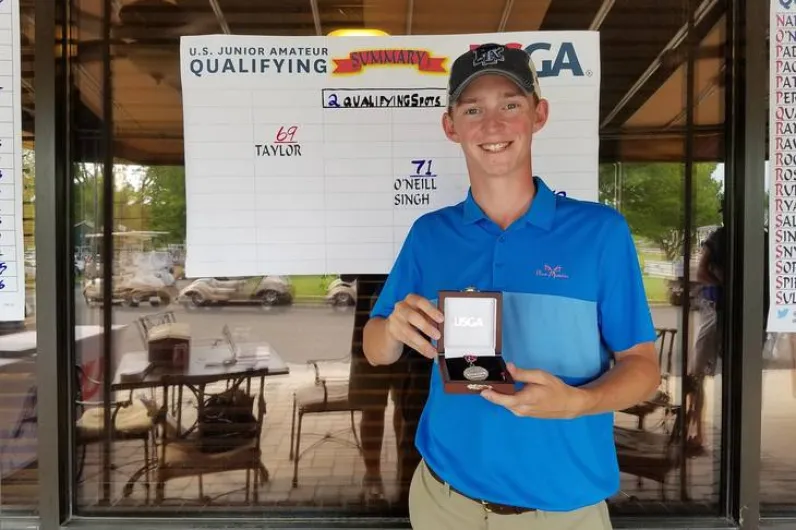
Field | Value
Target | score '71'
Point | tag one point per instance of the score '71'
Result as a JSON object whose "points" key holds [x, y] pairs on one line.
{"points": [[420, 165]]}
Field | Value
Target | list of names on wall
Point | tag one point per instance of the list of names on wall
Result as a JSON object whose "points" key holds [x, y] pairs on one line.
{"points": [[12, 264]]}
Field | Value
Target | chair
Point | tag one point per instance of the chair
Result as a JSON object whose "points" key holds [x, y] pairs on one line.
{"points": [[226, 438], [651, 455], [147, 322], [132, 419], [326, 395], [663, 396]]}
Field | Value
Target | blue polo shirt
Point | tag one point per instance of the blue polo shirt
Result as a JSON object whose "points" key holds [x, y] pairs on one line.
{"points": [[572, 294]]}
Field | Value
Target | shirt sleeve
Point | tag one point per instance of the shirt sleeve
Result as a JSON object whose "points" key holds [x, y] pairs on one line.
{"points": [[624, 312], [404, 278]]}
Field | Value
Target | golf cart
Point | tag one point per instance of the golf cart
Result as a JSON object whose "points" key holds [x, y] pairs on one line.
{"points": [[341, 294], [265, 291], [141, 273], [130, 291]]}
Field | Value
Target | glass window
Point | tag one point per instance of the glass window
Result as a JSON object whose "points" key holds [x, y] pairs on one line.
{"points": [[18, 414], [674, 459], [321, 428]]}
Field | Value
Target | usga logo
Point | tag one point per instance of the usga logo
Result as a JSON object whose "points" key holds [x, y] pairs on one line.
{"points": [[550, 61], [468, 322]]}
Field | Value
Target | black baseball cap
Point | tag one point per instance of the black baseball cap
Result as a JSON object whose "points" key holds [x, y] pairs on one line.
{"points": [[513, 63]]}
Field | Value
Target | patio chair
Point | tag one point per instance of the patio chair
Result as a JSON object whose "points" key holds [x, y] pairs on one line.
{"points": [[665, 340], [226, 438], [147, 322], [651, 455], [132, 419], [326, 395]]}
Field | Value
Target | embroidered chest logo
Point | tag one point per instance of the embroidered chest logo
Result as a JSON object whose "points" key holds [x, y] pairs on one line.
{"points": [[488, 56], [556, 272]]}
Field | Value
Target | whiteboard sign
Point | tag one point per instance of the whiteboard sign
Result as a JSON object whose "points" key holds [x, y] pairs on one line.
{"points": [[314, 155], [12, 262]]}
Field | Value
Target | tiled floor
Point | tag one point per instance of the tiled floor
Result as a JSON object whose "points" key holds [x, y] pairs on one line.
{"points": [[331, 474]]}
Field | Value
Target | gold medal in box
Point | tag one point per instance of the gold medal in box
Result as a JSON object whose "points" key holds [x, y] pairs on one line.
{"points": [[470, 346]]}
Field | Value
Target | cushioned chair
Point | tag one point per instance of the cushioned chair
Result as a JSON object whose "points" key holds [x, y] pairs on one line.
{"points": [[665, 341], [132, 419], [188, 456], [325, 396], [652, 455]]}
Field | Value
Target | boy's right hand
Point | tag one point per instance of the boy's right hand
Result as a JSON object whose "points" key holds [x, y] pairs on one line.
{"points": [[411, 317]]}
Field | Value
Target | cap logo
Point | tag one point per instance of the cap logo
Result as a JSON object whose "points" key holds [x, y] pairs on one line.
{"points": [[488, 56]]}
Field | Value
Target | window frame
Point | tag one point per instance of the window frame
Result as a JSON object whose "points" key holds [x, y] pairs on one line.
{"points": [[745, 154]]}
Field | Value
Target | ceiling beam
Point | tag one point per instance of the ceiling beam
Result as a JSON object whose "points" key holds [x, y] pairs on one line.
{"points": [[601, 15], [316, 17], [705, 17], [659, 132], [222, 20], [570, 15], [504, 18], [717, 83], [410, 10]]}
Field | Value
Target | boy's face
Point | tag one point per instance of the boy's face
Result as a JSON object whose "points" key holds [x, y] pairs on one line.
{"points": [[494, 121]]}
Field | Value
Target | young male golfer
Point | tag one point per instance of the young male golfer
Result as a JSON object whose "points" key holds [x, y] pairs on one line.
{"points": [[577, 330]]}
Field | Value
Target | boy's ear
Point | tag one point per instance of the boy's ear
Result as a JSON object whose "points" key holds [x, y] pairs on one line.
{"points": [[541, 114], [448, 126]]}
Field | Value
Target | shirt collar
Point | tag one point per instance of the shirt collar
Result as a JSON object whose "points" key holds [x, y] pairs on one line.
{"points": [[541, 213]]}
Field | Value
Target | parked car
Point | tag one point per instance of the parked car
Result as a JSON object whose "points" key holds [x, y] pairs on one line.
{"points": [[267, 292], [341, 294]]}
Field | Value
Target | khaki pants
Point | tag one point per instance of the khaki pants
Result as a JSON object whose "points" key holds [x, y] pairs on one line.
{"points": [[433, 506]]}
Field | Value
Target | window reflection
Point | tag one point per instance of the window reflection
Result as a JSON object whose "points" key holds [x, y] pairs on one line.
{"points": [[19, 474], [667, 447], [319, 427], [351, 424]]}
